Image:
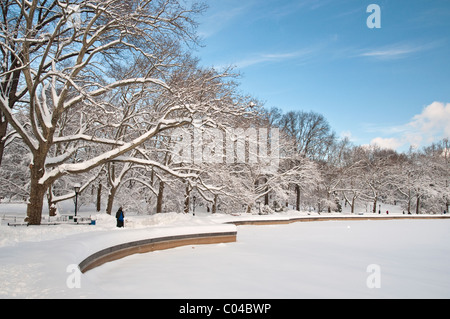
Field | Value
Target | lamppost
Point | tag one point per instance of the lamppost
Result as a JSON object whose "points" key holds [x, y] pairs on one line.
{"points": [[258, 204], [193, 206], [76, 187]]}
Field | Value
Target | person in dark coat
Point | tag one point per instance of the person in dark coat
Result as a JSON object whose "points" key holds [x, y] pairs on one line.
{"points": [[120, 216]]}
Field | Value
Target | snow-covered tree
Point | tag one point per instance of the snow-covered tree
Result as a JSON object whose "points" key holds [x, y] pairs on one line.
{"points": [[65, 53], [310, 132]]}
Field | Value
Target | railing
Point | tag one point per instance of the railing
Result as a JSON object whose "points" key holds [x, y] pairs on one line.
{"points": [[11, 220]]}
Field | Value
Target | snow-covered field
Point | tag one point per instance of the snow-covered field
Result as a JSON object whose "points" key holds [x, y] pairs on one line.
{"points": [[302, 260], [335, 259]]}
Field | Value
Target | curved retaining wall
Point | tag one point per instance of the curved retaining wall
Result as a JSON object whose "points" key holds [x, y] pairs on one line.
{"points": [[329, 218], [153, 244]]}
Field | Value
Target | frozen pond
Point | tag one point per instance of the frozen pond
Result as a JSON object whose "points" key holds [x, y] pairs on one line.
{"points": [[367, 259]]}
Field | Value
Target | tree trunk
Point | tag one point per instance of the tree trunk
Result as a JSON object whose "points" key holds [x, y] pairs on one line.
{"points": [[409, 202], [187, 196], [111, 195], [159, 201], [214, 206], [3, 128], [353, 205], [266, 197], [51, 205], [375, 202], [9, 85], [35, 205], [328, 199], [37, 192], [99, 196], [417, 205], [297, 203]]}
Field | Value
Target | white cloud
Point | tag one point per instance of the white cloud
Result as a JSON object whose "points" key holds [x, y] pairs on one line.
{"points": [[432, 125], [392, 53], [389, 143], [259, 58], [219, 20], [348, 135], [398, 50], [276, 57], [434, 121]]}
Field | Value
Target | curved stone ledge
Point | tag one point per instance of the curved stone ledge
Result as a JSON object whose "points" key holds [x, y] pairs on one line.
{"points": [[263, 222], [153, 244]]}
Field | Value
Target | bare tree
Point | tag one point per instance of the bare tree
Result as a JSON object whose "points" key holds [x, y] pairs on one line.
{"points": [[310, 131]]}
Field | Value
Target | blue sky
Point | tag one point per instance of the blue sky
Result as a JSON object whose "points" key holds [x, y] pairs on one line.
{"points": [[389, 86]]}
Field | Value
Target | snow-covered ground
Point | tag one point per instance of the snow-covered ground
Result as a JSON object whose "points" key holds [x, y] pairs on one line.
{"points": [[302, 260], [336, 259]]}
